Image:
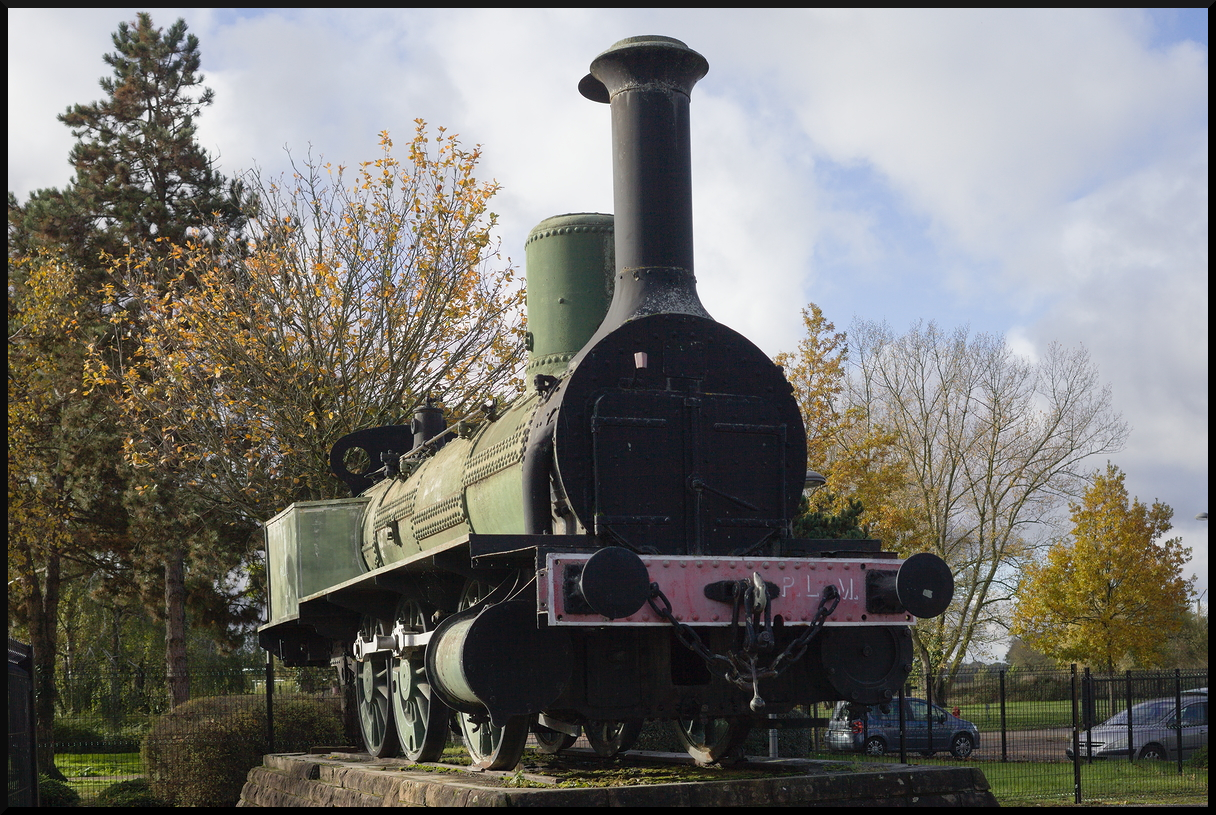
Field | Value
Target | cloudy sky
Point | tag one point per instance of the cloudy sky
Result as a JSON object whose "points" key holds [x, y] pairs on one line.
{"points": [[1041, 175]]}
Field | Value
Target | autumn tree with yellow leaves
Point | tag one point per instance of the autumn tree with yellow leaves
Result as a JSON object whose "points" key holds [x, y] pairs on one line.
{"points": [[947, 442], [854, 455], [353, 298], [63, 498], [1113, 595]]}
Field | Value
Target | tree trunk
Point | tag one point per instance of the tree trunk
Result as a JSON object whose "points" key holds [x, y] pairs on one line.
{"points": [[42, 608], [177, 672]]}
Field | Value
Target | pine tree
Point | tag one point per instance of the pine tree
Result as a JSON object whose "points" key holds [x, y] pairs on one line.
{"points": [[142, 185], [141, 175]]}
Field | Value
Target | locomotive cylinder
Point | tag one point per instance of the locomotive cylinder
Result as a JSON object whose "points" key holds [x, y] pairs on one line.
{"points": [[496, 660]]}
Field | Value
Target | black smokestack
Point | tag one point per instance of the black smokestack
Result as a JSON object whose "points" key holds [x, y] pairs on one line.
{"points": [[647, 81]]}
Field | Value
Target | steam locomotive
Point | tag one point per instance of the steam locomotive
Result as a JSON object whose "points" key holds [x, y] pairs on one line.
{"points": [[615, 546]]}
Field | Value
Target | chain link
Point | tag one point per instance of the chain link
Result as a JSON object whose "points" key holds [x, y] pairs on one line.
{"points": [[741, 667]]}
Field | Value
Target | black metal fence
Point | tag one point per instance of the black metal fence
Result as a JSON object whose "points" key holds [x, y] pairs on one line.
{"points": [[104, 718], [1048, 734], [22, 744], [1039, 734]]}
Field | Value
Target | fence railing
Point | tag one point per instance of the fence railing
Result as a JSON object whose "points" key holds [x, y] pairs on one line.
{"points": [[1029, 742], [1042, 734], [22, 743], [104, 717]]}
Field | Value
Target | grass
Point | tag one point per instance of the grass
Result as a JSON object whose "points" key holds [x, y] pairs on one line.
{"points": [[1103, 782], [1030, 715], [1018, 715], [90, 773], [575, 770]]}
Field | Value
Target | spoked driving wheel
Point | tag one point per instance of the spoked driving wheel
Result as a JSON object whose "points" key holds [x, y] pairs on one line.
{"points": [[420, 718], [490, 747], [710, 740], [609, 738], [373, 691]]}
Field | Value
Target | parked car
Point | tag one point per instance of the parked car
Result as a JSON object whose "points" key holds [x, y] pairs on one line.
{"points": [[1154, 731], [878, 732]]}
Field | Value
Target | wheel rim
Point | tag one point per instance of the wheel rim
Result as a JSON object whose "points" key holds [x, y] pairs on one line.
{"points": [[374, 689], [608, 739], [420, 718], [875, 747], [552, 741], [490, 747], [710, 740], [962, 747]]}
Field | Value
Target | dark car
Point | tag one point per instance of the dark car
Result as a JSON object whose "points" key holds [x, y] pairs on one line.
{"points": [[878, 733], [1154, 730]]}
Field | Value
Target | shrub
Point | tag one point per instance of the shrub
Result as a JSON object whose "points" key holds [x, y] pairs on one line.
{"points": [[54, 793], [134, 793], [73, 736], [1199, 758], [76, 737], [660, 736], [200, 753]]}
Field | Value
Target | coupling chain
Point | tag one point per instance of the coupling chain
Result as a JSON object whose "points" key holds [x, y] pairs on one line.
{"points": [[740, 667]]}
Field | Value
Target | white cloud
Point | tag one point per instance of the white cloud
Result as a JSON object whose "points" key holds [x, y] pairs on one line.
{"points": [[1041, 173]]}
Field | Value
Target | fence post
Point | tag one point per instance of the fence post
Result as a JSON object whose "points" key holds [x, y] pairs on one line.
{"points": [[1004, 741], [929, 706], [1178, 714], [1088, 704], [1076, 740], [1131, 745], [814, 747], [903, 723], [269, 702]]}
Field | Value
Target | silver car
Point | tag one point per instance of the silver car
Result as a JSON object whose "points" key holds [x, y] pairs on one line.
{"points": [[878, 733], [1154, 730]]}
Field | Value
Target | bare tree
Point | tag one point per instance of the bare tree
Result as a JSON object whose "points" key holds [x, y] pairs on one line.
{"points": [[992, 444]]}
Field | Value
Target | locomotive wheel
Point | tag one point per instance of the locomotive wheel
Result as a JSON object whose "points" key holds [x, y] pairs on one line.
{"points": [[490, 747], [551, 741], [710, 741], [420, 718], [609, 738], [373, 689]]}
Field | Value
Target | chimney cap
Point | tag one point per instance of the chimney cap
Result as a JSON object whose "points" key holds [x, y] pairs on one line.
{"points": [[681, 66]]}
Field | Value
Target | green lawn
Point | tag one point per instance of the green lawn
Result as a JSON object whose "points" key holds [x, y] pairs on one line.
{"points": [[1032, 715], [1018, 715], [1106, 782], [90, 773]]}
